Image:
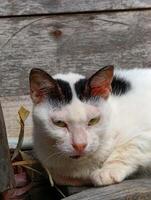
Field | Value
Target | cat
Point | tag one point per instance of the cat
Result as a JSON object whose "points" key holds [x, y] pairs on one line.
{"points": [[94, 130]]}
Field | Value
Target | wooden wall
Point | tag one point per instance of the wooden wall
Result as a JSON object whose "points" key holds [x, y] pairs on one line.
{"points": [[70, 35]]}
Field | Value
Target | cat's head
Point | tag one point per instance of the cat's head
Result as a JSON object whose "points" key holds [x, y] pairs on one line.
{"points": [[72, 110]]}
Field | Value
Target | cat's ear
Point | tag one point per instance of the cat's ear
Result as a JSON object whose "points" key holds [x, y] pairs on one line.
{"points": [[99, 83], [42, 84]]}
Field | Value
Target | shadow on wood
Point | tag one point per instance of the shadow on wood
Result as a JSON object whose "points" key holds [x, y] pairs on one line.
{"points": [[6, 173]]}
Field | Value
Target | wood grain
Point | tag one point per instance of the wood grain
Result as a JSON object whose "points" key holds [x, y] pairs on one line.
{"points": [[139, 189], [79, 43], [28, 7], [6, 174]]}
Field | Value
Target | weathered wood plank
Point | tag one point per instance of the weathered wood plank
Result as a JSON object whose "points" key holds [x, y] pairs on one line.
{"points": [[81, 43], [10, 106], [6, 174], [127, 190], [28, 7]]}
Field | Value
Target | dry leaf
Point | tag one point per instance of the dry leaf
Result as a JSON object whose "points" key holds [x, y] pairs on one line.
{"points": [[23, 114], [24, 162]]}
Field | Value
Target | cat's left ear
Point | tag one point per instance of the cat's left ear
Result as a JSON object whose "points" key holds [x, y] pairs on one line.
{"points": [[42, 85], [99, 83]]}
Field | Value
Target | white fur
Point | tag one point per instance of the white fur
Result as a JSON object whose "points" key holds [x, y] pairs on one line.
{"points": [[116, 147]]}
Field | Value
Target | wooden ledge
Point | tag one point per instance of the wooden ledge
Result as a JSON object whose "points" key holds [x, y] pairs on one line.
{"points": [[138, 189]]}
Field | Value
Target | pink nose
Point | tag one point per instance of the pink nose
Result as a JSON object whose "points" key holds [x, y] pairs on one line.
{"points": [[79, 147]]}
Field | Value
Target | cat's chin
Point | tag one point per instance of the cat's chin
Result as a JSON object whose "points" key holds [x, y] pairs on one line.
{"points": [[79, 156]]}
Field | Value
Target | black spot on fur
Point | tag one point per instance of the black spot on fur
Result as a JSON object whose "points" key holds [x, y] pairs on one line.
{"points": [[120, 86], [66, 90], [83, 91], [63, 95], [80, 88]]}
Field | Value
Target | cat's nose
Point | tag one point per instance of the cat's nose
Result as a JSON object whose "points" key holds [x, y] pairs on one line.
{"points": [[79, 147]]}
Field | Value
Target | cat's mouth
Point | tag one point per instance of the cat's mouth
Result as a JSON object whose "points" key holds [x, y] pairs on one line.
{"points": [[75, 157]]}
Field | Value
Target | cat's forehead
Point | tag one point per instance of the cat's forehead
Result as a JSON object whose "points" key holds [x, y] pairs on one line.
{"points": [[71, 78], [77, 111], [72, 86]]}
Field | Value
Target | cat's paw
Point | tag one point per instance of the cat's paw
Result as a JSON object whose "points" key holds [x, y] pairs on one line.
{"points": [[107, 176]]}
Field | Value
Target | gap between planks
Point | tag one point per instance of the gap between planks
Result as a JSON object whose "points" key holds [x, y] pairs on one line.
{"points": [[76, 13]]}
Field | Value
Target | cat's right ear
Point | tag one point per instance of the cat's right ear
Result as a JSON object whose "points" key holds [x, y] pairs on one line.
{"points": [[99, 84], [41, 85]]}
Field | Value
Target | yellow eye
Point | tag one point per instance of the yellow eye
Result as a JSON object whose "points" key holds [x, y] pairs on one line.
{"points": [[60, 123], [93, 121]]}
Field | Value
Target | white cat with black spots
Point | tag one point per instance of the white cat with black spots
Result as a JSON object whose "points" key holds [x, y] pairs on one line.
{"points": [[95, 130]]}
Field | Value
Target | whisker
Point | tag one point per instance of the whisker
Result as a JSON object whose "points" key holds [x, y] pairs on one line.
{"points": [[52, 155]]}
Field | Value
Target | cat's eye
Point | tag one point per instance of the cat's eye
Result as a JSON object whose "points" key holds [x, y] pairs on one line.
{"points": [[94, 121], [60, 123]]}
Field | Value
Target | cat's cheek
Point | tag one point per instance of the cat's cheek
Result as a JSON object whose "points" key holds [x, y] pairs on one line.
{"points": [[65, 149], [64, 145], [58, 133], [93, 142]]}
